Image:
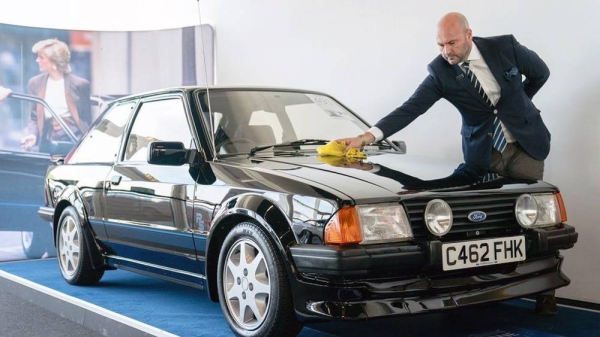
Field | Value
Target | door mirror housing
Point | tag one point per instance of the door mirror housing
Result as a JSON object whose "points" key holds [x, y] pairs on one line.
{"points": [[167, 153], [400, 144]]}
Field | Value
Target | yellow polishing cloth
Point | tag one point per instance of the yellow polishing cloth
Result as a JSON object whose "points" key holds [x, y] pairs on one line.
{"points": [[333, 153]]}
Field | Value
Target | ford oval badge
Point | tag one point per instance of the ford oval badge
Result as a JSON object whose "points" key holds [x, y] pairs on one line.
{"points": [[477, 216]]}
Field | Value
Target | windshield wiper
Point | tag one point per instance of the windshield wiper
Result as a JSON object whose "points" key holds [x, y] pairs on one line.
{"points": [[292, 143]]}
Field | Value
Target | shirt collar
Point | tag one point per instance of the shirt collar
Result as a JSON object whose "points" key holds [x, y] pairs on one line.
{"points": [[475, 54]]}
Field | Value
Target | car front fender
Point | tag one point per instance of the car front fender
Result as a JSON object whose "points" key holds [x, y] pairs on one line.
{"points": [[247, 207]]}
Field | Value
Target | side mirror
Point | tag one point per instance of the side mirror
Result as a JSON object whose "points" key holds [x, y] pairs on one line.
{"points": [[400, 144], [167, 153]]}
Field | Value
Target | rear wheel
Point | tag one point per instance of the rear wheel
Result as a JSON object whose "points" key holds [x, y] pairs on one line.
{"points": [[74, 259], [38, 243], [254, 291], [33, 245]]}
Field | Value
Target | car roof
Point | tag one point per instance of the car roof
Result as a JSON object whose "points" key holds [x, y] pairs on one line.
{"points": [[212, 87]]}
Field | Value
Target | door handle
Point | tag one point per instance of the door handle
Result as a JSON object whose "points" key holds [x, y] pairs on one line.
{"points": [[115, 180]]}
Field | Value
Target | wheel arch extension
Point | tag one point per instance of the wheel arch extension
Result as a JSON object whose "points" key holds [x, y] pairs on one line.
{"points": [[71, 197], [254, 208]]}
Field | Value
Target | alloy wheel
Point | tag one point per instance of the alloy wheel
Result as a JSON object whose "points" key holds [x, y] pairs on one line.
{"points": [[247, 284], [69, 247]]}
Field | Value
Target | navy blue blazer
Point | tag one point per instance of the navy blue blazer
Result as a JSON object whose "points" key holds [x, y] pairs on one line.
{"points": [[507, 60]]}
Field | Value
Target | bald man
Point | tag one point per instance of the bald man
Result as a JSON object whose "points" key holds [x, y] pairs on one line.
{"points": [[491, 81], [499, 63]]}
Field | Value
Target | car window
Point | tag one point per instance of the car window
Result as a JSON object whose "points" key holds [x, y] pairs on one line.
{"points": [[244, 119], [268, 119], [101, 144], [18, 131], [331, 120], [163, 120], [14, 116]]}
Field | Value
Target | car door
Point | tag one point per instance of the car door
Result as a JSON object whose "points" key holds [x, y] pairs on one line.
{"points": [[148, 213], [21, 179]]}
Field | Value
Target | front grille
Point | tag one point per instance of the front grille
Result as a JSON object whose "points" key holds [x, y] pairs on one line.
{"points": [[498, 208]]}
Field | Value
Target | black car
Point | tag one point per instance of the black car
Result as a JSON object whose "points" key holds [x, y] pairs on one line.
{"points": [[223, 189]]}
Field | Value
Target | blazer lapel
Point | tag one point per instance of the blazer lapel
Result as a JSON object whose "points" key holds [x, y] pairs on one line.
{"points": [[461, 77]]}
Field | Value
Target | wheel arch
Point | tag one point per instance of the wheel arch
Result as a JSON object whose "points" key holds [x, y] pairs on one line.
{"points": [[71, 197], [255, 208]]}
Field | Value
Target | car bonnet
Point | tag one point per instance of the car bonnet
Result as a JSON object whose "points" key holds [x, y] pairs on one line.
{"points": [[381, 176]]}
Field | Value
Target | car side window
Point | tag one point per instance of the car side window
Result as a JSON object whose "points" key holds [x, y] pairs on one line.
{"points": [[162, 120], [102, 143]]}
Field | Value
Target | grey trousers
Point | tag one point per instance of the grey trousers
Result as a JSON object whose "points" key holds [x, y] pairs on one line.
{"points": [[514, 162]]}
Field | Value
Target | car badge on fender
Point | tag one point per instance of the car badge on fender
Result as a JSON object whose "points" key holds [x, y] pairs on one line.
{"points": [[477, 216]]}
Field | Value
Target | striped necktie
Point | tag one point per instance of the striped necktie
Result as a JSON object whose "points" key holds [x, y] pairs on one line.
{"points": [[498, 137]]}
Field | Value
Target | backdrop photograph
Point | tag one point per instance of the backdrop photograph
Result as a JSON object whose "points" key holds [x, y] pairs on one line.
{"points": [[54, 84]]}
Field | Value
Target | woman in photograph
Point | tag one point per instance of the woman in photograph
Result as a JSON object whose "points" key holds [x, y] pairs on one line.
{"points": [[67, 95]]}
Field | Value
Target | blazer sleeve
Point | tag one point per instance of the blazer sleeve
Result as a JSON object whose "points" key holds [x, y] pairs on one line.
{"points": [[427, 93], [32, 124], [532, 66]]}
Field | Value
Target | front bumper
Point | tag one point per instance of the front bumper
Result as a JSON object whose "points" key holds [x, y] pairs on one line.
{"points": [[424, 294], [46, 213], [366, 282]]}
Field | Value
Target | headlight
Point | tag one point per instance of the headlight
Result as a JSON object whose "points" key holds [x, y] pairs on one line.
{"points": [[539, 210], [368, 224], [526, 210], [383, 223], [438, 217]]}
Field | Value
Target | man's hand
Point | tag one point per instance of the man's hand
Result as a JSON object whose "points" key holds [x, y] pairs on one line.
{"points": [[28, 142], [357, 142]]}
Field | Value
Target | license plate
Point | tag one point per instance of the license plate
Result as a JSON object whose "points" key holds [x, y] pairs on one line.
{"points": [[470, 254]]}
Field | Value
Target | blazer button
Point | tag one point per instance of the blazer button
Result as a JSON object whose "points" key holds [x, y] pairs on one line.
{"points": [[490, 134], [495, 111]]}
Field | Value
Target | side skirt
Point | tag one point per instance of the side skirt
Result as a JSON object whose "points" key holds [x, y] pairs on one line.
{"points": [[157, 271]]}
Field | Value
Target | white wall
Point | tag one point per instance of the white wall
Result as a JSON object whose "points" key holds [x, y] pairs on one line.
{"points": [[371, 54]]}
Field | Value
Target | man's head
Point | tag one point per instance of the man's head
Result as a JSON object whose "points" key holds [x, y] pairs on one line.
{"points": [[454, 37]]}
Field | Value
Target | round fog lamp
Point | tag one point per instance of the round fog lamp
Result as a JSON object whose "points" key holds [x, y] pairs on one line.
{"points": [[438, 217], [526, 210]]}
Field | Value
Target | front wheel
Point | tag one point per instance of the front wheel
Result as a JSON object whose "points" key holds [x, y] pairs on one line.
{"points": [[254, 291], [74, 259]]}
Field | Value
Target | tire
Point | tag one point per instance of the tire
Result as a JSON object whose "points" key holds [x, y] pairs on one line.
{"points": [[38, 243], [74, 259], [33, 244], [254, 292]]}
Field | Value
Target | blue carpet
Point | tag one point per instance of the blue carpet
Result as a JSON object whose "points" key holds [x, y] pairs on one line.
{"points": [[187, 311]]}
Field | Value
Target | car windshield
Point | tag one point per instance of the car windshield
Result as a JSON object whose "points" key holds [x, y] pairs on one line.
{"points": [[246, 119]]}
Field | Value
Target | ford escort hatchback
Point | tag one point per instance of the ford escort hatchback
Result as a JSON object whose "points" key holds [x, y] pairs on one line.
{"points": [[223, 190]]}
